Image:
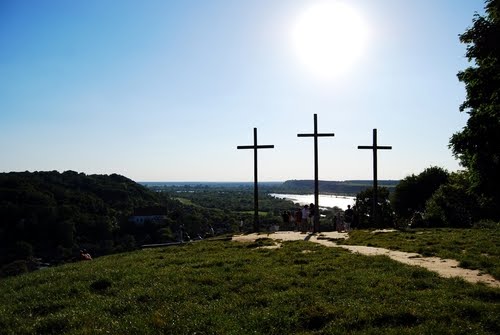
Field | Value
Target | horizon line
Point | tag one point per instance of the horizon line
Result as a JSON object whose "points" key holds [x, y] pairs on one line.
{"points": [[251, 181]]}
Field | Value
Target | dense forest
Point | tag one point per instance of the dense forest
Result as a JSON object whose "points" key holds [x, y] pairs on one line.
{"points": [[52, 214]]}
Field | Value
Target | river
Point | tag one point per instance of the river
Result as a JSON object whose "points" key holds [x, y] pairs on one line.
{"points": [[325, 200]]}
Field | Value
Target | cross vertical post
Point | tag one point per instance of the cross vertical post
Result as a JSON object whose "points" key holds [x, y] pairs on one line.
{"points": [[255, 147], [316, 227], [375, 147]]}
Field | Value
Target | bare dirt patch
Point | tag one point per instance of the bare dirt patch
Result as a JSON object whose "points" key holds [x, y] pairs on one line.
{"points": [[444, 267]]}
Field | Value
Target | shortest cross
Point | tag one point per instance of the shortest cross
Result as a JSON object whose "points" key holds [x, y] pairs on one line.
{"points": [[255, 183], [374, 147]]}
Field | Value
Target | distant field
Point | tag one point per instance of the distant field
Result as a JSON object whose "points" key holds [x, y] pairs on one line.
{"points": [[185, 201], [235, 288]]}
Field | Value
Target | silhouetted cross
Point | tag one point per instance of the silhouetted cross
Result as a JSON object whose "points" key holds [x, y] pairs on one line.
{"points": [[374, 147], [255, 147], [316, 182]]}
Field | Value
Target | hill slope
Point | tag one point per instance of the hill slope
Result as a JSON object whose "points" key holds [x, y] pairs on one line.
{"points": [[52, 212], [234, 288]]}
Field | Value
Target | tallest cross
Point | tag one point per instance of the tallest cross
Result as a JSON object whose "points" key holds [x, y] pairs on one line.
{"points": [[316, 180], [255, 183]]}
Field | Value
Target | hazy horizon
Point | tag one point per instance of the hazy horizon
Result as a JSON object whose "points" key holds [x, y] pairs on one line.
{"points": [[251, 181]]}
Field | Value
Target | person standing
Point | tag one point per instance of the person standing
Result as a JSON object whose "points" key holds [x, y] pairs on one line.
{"points": [[298, 219], [291, 217], [348, 217], [312, 212], [286, 218], [305, 218], [340, 223]]}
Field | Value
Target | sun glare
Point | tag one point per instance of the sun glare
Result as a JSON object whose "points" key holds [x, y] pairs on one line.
{"points": [[328, 38]]}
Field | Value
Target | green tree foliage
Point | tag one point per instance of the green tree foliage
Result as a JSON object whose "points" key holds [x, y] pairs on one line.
{"points": [[52, 210], [477, 146], [228, 205], [363, 209], [412, 192], [452, 205], [240, 199]]}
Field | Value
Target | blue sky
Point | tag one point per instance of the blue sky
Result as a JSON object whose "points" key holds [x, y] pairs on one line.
{"points": [[166, 90]]}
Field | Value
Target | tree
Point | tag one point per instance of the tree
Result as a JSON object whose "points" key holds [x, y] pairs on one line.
{"points": [[477, 146], [363, 209], [452, 205], [412, 192]]}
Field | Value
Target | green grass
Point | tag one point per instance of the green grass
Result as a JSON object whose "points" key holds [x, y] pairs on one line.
{"points": [[237, 288], [185, 201], [473, 248]]}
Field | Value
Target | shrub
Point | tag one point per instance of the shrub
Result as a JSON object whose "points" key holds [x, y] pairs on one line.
{"points": [[487, 224], [452, 205]]}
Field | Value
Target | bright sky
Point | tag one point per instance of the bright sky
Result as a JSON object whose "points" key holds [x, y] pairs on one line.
{"points": [[166, 90]]}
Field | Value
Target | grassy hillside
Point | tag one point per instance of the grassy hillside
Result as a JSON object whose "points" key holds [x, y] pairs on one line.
{"points": [[232, 288]]}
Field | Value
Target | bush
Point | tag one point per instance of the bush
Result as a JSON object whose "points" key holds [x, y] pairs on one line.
{"points": [[451, 205], [487, 224]]}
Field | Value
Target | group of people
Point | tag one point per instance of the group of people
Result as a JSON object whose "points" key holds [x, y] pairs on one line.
{"points": [[304, 219], [344, 223], [85, 256]]}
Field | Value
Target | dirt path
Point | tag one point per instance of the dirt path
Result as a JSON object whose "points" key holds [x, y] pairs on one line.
{"points": [[444, 267]]}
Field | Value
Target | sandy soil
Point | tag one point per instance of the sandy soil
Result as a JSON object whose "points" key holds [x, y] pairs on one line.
{"points": [[444, 267]]}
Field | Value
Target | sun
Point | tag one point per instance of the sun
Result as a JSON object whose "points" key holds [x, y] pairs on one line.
{"points": [[328, 38]]}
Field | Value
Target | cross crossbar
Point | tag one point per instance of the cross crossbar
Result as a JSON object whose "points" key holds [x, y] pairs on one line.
{"points": [[255, 147], [316, 135], [372, 147]]}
